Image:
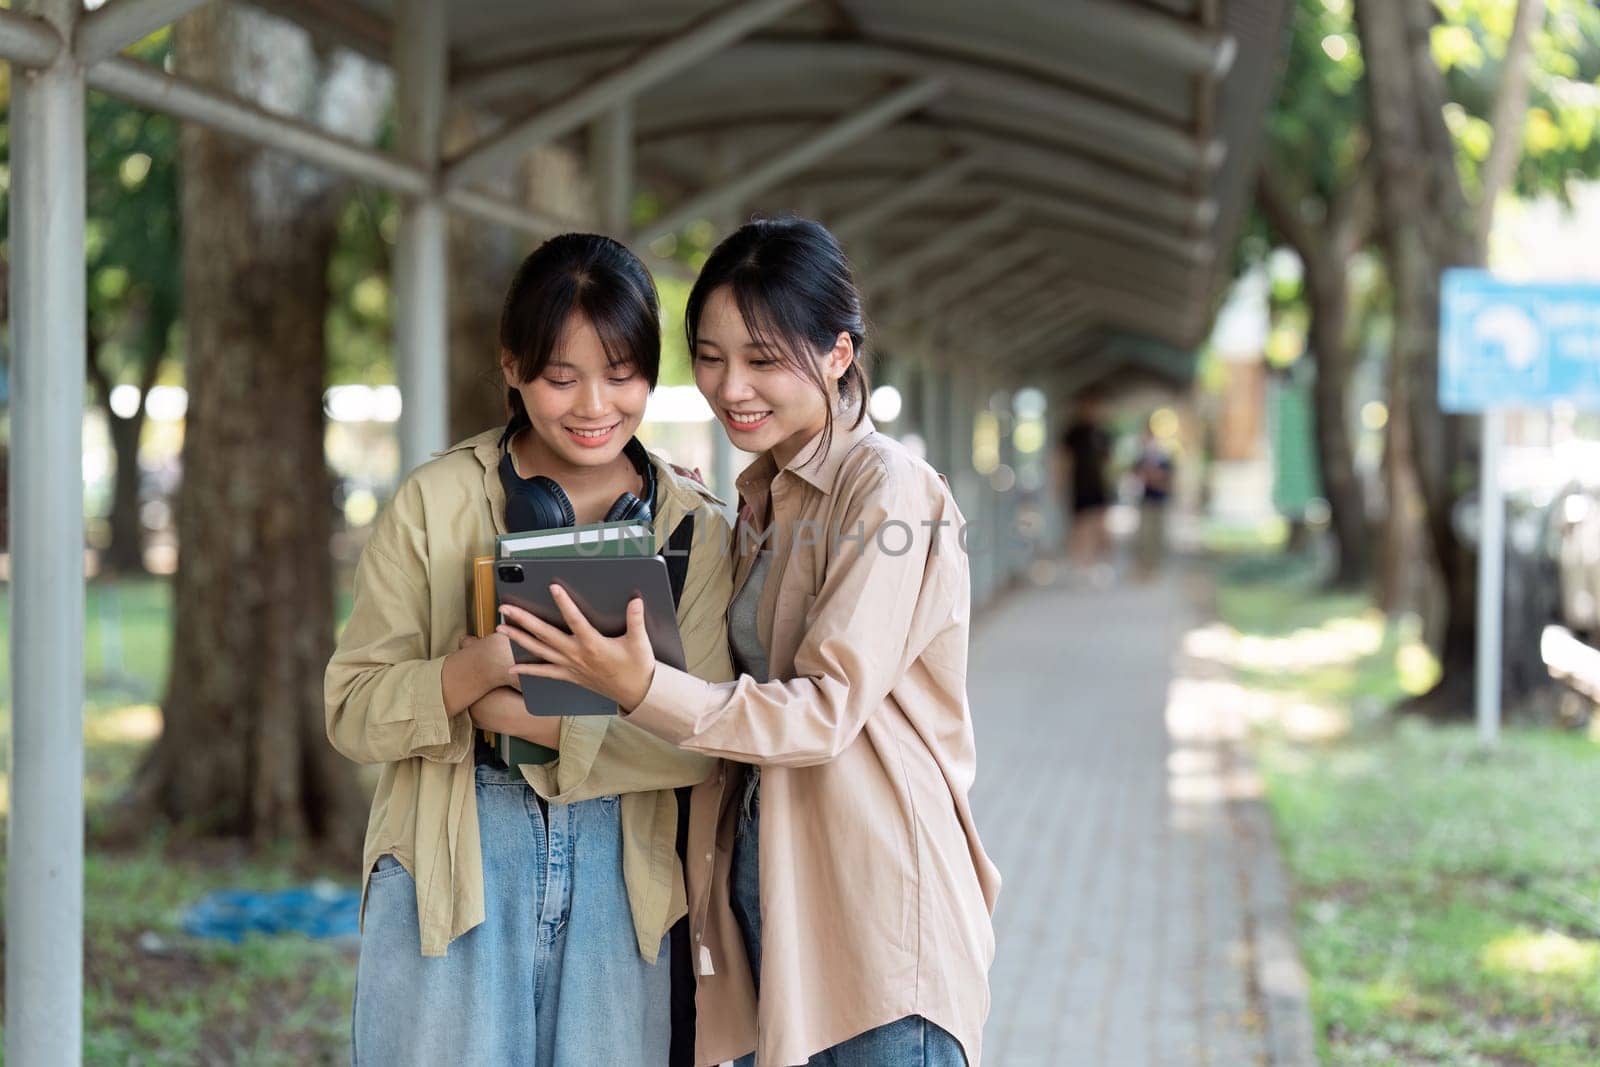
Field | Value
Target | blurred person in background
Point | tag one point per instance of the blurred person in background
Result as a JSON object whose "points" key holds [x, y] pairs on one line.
{"points": [[1153, 469], [1086, 455]]}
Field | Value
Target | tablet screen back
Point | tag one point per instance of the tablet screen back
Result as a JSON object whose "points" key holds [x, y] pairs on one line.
{"points": [[601, 588]]}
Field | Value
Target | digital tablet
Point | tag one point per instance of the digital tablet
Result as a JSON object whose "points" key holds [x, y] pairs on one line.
{"points": [[601, 588]]}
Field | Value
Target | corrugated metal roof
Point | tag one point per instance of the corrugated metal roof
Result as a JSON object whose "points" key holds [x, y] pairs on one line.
{"points": [[1122, 133]]}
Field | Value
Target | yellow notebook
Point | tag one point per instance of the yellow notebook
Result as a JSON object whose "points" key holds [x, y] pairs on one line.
{"points": [[485, 616]]}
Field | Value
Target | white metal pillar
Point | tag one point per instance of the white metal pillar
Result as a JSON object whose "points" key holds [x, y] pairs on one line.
{"points": [[916, 383], [1491, 577], [934, 415], [986, 552], [959, 398], [421, 261], [44, 871], [611, 163], [1010, 538]]}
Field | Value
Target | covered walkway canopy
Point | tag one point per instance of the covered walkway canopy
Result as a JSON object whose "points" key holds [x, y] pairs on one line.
{"points": [[1037, 191]]}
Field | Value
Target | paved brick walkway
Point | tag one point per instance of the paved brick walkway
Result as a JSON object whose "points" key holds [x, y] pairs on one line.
{"points": [[1143, 918]]}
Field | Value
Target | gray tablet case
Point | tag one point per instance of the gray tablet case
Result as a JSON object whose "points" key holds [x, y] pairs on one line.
{"points": [[601, 588]]}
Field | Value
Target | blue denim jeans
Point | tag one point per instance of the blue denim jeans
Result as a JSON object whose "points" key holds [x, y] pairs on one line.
{"points": [[909, 1042], [509, 991]]}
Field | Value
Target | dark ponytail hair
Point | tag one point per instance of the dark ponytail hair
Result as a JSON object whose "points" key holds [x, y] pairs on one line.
{"points": [[792, 284], [589, 275]]}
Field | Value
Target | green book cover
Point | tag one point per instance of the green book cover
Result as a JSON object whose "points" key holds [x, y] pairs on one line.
{"points": [[515, 750], [605, 540]]}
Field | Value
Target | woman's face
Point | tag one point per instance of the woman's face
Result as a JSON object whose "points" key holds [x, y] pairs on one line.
{"points": [[583, 409], [762, 403]]}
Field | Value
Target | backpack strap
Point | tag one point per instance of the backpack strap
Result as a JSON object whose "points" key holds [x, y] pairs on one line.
{"points": [[677, 556]]}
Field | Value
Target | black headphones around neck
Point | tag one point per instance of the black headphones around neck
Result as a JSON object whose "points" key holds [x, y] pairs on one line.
{"points": [[539, 503]]}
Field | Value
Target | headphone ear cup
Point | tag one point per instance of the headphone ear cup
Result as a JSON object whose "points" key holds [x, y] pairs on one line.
{"points": [[541, 505], [628, 507]]}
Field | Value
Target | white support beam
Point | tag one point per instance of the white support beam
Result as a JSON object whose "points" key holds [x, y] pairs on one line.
{"points": [[991, 268], [1009, 333], [1081, 372], [819, 146], [144, 85], [1116, 259], [114, 26], [1056, 322], [1089, 273], [422, 254], [499, 211], [705, 37], [1154, 318], [1130, 284], [1009, 307], [1185, 45], [1082, 117], [952, 290], [27, 40], [1081, 178], [44, 845], [1118, 227], [949, 241], [938, 180], [611, 167], [1136, 313], [422, 73]]}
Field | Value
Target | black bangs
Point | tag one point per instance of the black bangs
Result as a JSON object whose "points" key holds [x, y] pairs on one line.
{"points": [[590, 275]]}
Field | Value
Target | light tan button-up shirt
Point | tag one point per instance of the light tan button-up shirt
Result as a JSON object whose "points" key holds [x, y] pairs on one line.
{"points": [[876, 894], [385, 704]]}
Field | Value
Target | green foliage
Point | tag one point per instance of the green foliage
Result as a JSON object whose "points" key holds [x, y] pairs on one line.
{"points": [[1559, 139], [361, 305], [131, 233], [1318, 128], [676, 368], [131, 229], [1317, 135]]}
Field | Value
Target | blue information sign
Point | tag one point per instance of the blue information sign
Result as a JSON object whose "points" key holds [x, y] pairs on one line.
{"points": [[1517, 344]]}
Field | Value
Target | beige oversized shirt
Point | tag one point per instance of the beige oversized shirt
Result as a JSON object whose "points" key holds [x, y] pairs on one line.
{"points": [[876, 894], [385, 703]]}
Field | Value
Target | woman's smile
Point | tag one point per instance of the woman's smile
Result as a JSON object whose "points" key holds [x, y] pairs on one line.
{"points": [[597, 437]]}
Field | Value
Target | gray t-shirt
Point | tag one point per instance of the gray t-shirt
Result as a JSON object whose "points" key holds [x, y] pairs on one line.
{"points": [[744, 638], [749, 654]]}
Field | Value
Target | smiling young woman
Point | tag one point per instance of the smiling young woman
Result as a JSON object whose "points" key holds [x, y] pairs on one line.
{"points": [[521, 914]]}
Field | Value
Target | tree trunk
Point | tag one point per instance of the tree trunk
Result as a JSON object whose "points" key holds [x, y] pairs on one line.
{"points": [[125, 553], [1510, 110], [482, 261], [1324, 253], [1428, 226], [1405, 567], [243, 751], [1335, 453]]}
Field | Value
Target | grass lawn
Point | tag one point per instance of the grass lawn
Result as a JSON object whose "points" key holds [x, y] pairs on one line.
{"points": [[1448, 901], [151, 994]]}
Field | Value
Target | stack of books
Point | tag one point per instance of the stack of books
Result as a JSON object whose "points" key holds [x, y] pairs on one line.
{"points": [[605, 539]]}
